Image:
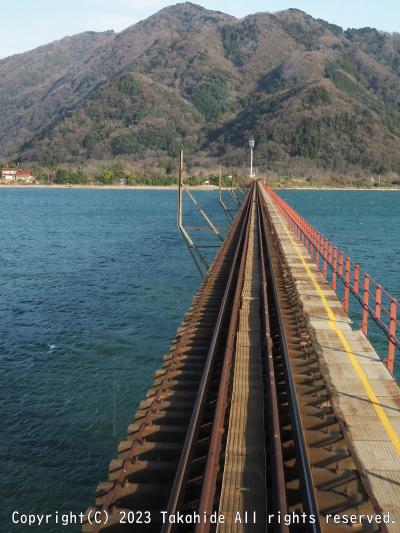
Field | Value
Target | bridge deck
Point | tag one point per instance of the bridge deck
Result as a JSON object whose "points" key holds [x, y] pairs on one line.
{"points": [[303, 419], [364, 395], [243, 486]]}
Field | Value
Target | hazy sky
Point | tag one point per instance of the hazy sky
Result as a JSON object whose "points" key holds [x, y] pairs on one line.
{"points": [[26, 24]]}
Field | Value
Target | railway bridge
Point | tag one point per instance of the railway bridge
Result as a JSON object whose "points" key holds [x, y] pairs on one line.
{"points": [[271, 412]]}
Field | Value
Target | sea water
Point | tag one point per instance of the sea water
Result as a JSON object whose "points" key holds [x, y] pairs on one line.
{"points": [[93, 284]]}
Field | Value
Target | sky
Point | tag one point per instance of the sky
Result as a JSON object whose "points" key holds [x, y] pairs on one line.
{"points": [[27, 24]]}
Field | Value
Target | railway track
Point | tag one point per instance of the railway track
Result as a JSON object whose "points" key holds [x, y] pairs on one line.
{"points": [[142, 476], [317, 472], [174, 457]]}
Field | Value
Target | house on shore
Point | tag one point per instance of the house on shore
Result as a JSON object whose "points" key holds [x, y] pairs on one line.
{"points": [[9, 174], [14, 175]]}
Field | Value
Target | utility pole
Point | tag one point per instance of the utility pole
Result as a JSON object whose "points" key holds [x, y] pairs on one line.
{"points": [[251, 144], [180, 174], [219, 182]]}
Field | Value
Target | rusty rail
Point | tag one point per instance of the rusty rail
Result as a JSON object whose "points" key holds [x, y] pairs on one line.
{"points": [[175, 451], [279, 499], [156, 438], [233, 290], [213, 457]]}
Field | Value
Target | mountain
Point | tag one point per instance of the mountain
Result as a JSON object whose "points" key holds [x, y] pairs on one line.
{"points": [[314, 95], [43, 83]]}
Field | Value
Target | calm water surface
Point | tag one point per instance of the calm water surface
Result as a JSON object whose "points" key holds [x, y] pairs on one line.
{"points": [[93, 284]]}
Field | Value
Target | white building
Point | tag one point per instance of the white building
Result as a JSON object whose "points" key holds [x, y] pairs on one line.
{"points": [[9, 174]]}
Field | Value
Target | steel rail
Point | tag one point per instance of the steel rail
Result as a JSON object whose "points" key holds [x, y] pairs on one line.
{"points": [[179, 483], [208, 490], [278, 478], [310, 502], [217, 268], [213, 457], [209, 398]]}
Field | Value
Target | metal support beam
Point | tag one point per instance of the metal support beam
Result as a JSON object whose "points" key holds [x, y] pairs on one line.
{"points": [[204, 214], [194, 251], [221, 201], [232, 189]]}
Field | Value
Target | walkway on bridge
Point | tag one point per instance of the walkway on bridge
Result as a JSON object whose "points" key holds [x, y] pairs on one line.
{"points": [[364, 395]]}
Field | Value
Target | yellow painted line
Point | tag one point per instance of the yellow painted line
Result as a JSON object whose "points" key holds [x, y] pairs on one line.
{"points": [[357, 367]]}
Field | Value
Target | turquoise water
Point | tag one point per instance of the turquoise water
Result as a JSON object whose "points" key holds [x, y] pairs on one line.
{"points": [[93, 284]]}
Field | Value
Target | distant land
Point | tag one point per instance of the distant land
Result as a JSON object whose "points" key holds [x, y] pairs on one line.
{"points": [[321, 101]]}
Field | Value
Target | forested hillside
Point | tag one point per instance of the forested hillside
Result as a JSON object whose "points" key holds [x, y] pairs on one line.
{"points": [[315, 96]]}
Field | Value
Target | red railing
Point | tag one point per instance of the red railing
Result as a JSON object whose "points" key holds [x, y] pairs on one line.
{"points": [[375, 301]]}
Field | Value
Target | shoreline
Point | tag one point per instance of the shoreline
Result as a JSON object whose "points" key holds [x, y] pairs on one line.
{"points": [[194, 187], [109, 187], [372, 189]]}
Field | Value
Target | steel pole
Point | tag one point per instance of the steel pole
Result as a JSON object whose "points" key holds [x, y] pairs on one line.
{"points": [[180, 174], [219, 182]]}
